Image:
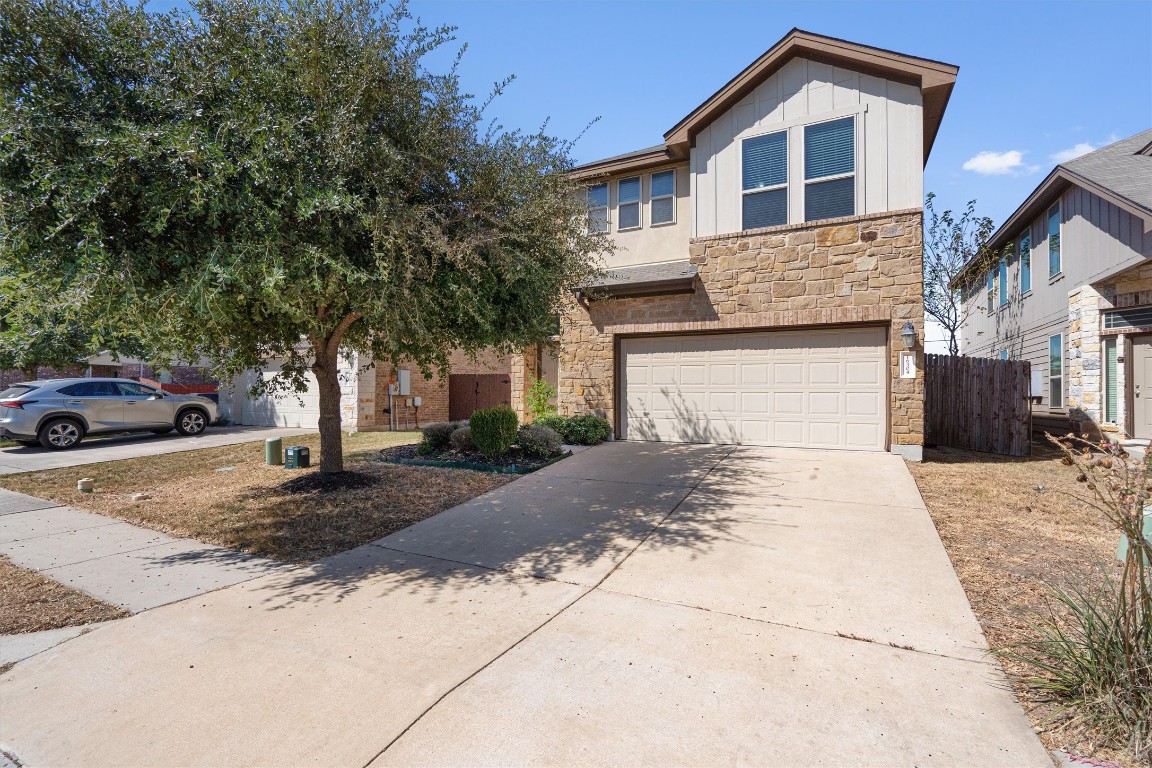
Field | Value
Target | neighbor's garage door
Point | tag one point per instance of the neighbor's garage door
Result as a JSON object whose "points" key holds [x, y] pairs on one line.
{"points": [[302, 410], [813, 389]]}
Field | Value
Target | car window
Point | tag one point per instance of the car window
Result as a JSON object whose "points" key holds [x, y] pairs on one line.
{"points": [[90, 389], [13, 392], [128, 389]]}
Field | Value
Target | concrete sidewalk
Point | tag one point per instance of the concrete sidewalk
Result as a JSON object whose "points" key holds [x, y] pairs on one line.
{"points": [[635, 604], [133, 567], [98, 449]]}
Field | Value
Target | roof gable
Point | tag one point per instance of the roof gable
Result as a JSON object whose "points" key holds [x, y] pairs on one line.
{"points": [[935, 80]]}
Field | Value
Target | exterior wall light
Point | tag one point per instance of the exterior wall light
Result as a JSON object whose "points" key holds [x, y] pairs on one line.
{"points": [[908, 335]]}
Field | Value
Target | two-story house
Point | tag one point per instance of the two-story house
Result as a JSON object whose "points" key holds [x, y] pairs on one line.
{"points": [[766, 287], [1073, 292]]}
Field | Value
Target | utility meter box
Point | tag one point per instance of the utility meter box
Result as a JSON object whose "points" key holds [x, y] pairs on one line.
{"points": [[404, 382], [297, 457]]}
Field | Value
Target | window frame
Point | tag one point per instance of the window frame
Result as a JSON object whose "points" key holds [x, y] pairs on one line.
{"points": [[785, 132], [806, 182], [1060, 377], [991, 290], [638, 202], [1002, 292], [652, 198], [606, 207], [1025, 259], [1059, 264]]}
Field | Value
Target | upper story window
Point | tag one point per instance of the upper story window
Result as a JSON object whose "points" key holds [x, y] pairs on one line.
{"points": [[1004, 282], [1024, 250], [628, 202], [598, 208], [830, 169], [662, 187], [1054, 265], [765, 181], [992, 291]]}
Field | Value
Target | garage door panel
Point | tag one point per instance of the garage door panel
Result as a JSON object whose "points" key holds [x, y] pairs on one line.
{"points": [[823, 388]]}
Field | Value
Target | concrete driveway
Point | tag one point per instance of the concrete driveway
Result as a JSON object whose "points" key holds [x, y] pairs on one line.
{"points": [[636, 604], [98, 449]]}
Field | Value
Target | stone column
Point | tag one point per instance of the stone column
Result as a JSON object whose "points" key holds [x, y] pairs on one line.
{"points": [[347, 373], [1085, 394], [524, 370]]}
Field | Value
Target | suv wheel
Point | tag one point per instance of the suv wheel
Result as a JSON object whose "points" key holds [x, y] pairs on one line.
{"points": [[61, 434], [191, 422]]}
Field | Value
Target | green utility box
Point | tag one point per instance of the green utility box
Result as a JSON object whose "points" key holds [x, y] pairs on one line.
{"points": [[297, 457], [274, 451]]}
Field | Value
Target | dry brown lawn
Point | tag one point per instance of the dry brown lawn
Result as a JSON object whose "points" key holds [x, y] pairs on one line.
{"points": [[228, 496], [30, 602], [1012, 528]]}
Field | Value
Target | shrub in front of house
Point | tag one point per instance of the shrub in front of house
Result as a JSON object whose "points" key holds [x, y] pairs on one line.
{"points": [[494, 430], [539, 441], [461, 440], [553, 421], [587, 429], [438, 436]]}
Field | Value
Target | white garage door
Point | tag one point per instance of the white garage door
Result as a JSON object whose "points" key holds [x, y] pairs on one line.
{"points": [[292, 410], [813, 389]]}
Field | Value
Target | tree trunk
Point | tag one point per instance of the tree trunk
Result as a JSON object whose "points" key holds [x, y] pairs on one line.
{"points": [[29, 374], [328, 382]]}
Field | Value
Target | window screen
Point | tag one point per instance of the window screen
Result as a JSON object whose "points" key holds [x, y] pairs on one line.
{"points": [[829, 169], [598, 208], [663, 197], [628, 191]]}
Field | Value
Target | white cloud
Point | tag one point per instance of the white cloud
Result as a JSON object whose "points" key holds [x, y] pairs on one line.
{"points": [[1072, 153], [995, 163]]}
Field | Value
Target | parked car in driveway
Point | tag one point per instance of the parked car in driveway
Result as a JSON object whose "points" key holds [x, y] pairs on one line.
{"points": [[59, 413]]}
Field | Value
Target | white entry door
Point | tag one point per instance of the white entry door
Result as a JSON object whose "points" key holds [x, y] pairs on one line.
{"points": [[810, 389]]}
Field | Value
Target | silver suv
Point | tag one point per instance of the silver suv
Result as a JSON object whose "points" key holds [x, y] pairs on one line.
{"points": [[58, 414]]}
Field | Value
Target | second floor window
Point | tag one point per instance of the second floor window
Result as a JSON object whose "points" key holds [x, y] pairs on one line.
{"points": [[992, 291], [1054, 265], [598, 208], [663, 192], [1025, 251], [830, 169], [765, 181], [1003, 282], [628, 192]]}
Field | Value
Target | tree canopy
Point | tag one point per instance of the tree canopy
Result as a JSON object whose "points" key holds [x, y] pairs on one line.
{"points": [[253, 179]]}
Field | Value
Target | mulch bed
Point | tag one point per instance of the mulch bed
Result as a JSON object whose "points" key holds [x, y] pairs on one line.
{"points": [[514, 458], [30, 602], [328, 482]]}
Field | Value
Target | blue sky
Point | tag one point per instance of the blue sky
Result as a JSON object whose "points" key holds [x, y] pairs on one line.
{"points": [[1036, 78]]}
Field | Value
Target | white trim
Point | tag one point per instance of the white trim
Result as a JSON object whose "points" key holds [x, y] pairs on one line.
{"points": [[774, 187], [835, 177], [638, 202], [653, 198]]}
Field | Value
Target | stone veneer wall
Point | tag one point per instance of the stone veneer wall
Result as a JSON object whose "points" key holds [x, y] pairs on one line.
{"points": [[860, 269], [1085, 396]]}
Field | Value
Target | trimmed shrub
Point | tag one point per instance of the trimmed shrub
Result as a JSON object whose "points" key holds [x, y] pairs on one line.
{"points": [[539, 441], [587, 429], [439, 436], [553, 421], [462, 440], [494, 430]]}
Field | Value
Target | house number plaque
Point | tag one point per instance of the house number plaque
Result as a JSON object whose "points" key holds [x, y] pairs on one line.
{"points": [[907, 365]]}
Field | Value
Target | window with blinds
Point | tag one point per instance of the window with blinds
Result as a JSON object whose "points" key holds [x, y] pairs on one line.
{"points": [[1024, 249], [598, 208], [1110, 380], [1003, 282], [764, 174], [830, 169], [628, 203], [1054, 265], [663, 191]]}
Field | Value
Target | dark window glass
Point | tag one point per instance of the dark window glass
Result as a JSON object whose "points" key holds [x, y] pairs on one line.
{"points": [[766, 161], [830, 199], [766, 209]]}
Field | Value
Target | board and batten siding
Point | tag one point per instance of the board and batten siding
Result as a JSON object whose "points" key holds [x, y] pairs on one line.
{"points": [[889, 141]]}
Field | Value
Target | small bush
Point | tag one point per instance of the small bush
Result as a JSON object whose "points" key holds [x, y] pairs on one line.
{"points": [[539, 441], [587, 429], [494, 430], [425, 448], [538, 399], [439, 436], [553, 421], [462, 440]]}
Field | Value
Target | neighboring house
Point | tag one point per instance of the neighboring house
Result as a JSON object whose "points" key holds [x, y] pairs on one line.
{"points": [[1074, 294], [769, 259]]}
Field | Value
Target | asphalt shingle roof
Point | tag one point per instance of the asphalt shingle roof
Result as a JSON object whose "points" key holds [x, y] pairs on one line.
{"points": [[1118, 167], [644, 274]]}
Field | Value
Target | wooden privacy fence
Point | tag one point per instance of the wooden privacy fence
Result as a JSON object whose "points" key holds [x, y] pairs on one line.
{"points": [[977, 403]]}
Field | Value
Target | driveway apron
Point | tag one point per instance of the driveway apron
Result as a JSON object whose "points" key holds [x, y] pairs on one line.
{"points": [[636, 604]]}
